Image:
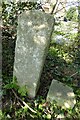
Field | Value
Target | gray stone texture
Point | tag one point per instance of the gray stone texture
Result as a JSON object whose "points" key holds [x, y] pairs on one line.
{"points": [[33, 38], [62, 94]]}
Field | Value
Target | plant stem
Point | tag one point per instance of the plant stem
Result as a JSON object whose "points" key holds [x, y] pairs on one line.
{"points": [[25, 104]]}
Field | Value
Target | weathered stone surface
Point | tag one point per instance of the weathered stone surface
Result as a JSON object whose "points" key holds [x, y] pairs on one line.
{"points": [[33, 38], [62, 94]]}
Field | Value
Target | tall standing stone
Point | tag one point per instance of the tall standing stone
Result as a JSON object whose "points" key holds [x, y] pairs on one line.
{"points": [[33, 38]]}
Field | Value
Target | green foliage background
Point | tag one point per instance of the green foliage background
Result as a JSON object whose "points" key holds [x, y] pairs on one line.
{"points": [[71, 14]]}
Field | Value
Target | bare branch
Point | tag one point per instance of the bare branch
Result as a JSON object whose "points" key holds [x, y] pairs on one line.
{"points": [[54, 7], [25, 104], [57, 10], [74, 74]]}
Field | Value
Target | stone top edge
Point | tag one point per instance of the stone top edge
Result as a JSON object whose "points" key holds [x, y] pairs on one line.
{"points": [[37, 12]]}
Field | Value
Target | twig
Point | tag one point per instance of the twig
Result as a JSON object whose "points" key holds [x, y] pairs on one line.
{"points": [[62, 9], [74, 74], [54, 7], [25, 104]]}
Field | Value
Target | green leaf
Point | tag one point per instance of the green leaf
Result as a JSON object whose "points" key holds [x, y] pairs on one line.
{"points": [[48, 116], [25, 109], [14, 79], [40, 107], [11, 85], [22, 90]]}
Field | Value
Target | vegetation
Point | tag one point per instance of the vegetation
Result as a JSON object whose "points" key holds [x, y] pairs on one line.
{"points": [[62, 63], [72, 14]]}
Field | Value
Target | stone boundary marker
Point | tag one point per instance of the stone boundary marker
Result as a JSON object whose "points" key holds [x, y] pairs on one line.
{"points": [[33, 38], [62, 94]]}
